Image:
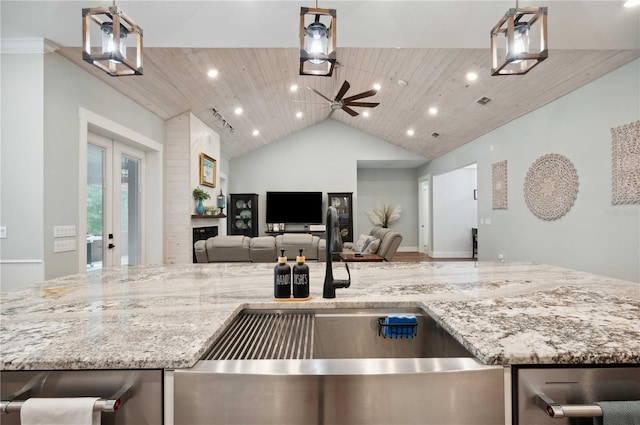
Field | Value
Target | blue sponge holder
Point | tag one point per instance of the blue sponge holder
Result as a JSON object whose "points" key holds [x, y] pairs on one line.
{"points": [[398, 327]]}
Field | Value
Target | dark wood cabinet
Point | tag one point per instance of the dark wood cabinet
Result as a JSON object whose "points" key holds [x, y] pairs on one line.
{"points": [[242, 217], [342, 202]]}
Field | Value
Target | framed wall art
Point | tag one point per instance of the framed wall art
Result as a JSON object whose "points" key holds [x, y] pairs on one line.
{"points": [[207, 170]]}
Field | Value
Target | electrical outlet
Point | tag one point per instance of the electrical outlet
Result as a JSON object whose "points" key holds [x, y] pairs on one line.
{"points": [[64, 231], [64, 245], [3, 232]]}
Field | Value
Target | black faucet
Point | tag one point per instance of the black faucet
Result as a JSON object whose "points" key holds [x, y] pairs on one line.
{"points": [[334, 246]]}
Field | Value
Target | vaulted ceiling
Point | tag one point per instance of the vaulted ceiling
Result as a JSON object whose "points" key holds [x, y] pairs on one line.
{"points": [[418, 51]]}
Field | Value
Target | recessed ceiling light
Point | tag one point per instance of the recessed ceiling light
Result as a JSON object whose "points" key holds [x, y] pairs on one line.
{"points": [[631, 3], [365, 114], [213, 73], [238, 111], [410, 132], [256, 133], [377, 87], [298, 114], [472, 76], [294, 87], [433, 110]]}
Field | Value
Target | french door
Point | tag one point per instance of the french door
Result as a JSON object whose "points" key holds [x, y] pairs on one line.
{"points": [[114, 203]]}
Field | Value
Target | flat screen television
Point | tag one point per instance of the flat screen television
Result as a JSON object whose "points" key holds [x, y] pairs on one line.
{"points": [[294, 207]]}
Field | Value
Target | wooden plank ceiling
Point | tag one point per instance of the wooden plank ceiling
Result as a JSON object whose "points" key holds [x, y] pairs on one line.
{"points": [[258, 80]]}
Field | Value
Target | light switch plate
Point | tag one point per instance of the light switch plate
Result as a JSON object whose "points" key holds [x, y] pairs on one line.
{"points": [[3, 232], [64, 231], [64, 245]]}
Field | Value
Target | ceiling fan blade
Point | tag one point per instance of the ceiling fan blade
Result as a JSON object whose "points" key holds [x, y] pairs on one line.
{"points": [[360, 96], [343, 90], [308, 102], [350, 111], [320, 94], [363, 104]]}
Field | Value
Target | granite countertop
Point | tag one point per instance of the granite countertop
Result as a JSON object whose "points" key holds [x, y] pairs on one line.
{"points": [[167, 316]]}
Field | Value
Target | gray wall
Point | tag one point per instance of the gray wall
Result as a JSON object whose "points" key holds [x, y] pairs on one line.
{"points": [[67, 89], [21, 167], [594, 236], [41, 99], [396, 186], [320, 158]]}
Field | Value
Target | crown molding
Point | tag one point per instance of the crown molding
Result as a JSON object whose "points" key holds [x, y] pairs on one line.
{"points": [[27, 45]]}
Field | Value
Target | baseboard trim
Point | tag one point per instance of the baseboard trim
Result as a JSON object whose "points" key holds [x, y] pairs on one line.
{"points": [[408, 249], [463, 254]]}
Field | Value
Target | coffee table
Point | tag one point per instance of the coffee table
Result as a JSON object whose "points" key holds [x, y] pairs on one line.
{"points": [[350, 257]]}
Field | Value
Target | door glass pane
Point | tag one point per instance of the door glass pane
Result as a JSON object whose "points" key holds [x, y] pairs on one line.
{"points": [[130, 211], [95, 205]]}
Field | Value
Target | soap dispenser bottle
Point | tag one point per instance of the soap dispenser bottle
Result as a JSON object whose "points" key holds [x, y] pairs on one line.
{"points": [[300, 278], [282, 278]]}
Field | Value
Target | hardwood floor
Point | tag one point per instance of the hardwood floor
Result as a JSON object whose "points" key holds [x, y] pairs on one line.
{"points": [[418, 256]]}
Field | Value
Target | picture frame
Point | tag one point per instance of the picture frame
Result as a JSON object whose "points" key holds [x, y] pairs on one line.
{"points": [[207, 170]]}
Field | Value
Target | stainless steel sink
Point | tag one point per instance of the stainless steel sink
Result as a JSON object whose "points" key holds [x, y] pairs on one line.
{"points": [[337, 366]]}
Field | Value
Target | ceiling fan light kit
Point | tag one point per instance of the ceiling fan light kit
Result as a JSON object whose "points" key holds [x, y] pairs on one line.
{"points": [[118, 35], [519, 41], [317, 41]]}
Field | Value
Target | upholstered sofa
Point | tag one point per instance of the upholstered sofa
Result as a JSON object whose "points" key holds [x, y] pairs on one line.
{"points": [[223, 249], [389, 242], [262, 249]]}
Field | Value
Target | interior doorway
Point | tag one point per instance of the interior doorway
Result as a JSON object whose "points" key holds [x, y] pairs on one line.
{"points": [[114, 203], [454, 212], [424, 221]]}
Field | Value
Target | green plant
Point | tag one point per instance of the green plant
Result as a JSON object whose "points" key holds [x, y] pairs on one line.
{"points": [[200, 194]]}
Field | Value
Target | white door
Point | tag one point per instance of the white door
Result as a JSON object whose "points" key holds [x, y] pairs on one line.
{"points": [[423, 215], [114, 203]]}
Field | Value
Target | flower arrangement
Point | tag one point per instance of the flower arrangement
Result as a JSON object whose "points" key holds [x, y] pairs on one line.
{"points": [[384, 215]]}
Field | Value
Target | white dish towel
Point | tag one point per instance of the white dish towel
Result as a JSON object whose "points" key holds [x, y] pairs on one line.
{"points": [[59, 411]]}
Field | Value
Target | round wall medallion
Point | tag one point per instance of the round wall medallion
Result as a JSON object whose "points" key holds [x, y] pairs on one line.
{"points": [[551, 186]]}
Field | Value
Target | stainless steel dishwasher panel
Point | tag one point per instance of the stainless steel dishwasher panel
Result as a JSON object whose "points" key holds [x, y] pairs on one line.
{"points": [[574, 388], [340, 391], [145, 406]]}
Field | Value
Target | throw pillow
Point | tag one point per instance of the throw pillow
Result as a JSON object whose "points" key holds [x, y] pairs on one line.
{"points": [[360, 243], [372, 246]]}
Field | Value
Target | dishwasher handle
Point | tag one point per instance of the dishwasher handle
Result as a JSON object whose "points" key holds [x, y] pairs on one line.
{"points": [[111, 404], [556, 410]]}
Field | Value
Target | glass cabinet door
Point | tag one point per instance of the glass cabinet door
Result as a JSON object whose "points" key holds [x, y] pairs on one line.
{"points": [[243, 217], [342, 202]]}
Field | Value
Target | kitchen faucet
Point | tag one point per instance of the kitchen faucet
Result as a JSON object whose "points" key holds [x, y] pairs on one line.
{"points": [[334, 245]]}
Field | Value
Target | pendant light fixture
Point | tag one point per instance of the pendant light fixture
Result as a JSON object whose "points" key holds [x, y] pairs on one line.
{"points": [[317, 41], [119, 36], [519, 41]]}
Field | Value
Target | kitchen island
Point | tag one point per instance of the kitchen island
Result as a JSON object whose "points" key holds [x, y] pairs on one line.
{"points": [[165, 317]]}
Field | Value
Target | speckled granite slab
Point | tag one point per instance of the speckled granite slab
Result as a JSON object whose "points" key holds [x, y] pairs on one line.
{"points": [[167, 316]]}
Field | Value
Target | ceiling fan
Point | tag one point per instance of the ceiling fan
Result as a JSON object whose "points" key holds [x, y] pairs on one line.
{"points": [[345, 103]]}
